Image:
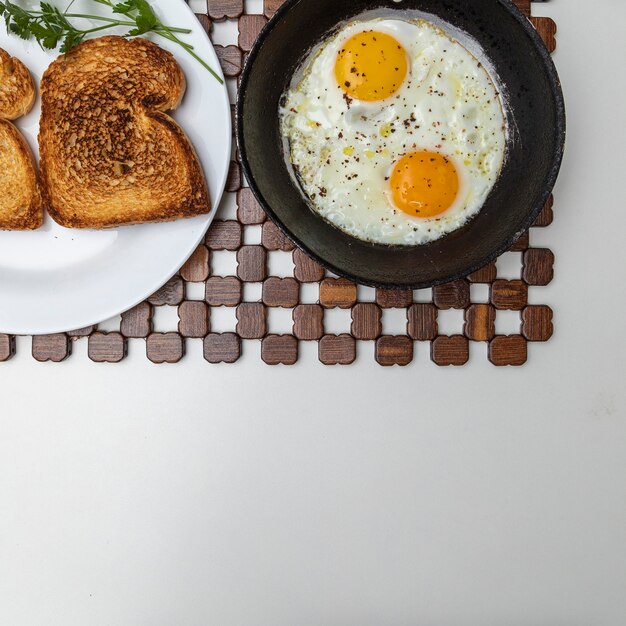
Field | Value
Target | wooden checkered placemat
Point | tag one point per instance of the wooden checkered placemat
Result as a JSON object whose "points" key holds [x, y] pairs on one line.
{"points": [[203, 290]]}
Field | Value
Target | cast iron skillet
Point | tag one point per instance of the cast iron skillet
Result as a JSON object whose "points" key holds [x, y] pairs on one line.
{"points": [[536, 104]]}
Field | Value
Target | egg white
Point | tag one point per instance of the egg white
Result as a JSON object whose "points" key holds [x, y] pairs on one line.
{"points": [[343, 150]]}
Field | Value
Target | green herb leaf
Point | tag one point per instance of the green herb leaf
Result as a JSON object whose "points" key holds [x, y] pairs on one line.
{"points": [[71, 39], [49, 26]]}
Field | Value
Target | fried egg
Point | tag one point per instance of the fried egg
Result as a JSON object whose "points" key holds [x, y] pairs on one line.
{"points": [[395, 131]]}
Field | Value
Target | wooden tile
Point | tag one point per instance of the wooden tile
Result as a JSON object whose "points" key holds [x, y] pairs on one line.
{"points": [[279, 349], [7, 347], [281, 292], [165, 347], [224, 235], [454, 295], [222, 348], [366, 321], [249, 28], [394, 298], [194, 319], [306, 270], [137, 323], [523, 6], [172, 293], [196, 269], [55, 348], [205, 22], [233, 180], [546, 216], [337, 292], [252, 264], [509, 294], [508, 350], [538, 266], [546, 27], [308, 322], [486, 274], [271, 6], [223, 291], [394, 350], [81, 332], [422, 321], [521, 244], [106, 347], [249, 211], [251, 320], [337, 349], [450, 350], [537, 323], [480, 322], [274, 239], [222, 9], [230, 59]]}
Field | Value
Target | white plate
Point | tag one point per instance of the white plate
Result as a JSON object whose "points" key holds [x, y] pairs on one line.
{"points": [[57, 279]]}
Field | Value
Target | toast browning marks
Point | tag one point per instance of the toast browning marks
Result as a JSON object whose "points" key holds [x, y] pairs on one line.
{"points": [[20, 199], [109, 153]]}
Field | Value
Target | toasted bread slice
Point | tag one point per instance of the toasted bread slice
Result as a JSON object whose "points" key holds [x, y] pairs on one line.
{"points": [[109, 153], [17, 91], [20, 198]]}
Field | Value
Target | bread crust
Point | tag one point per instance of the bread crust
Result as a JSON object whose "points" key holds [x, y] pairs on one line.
{"points": [[110, 155], [21, 206]]}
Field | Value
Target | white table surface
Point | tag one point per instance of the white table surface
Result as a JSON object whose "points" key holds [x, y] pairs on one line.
{"points": [[245, 495]]}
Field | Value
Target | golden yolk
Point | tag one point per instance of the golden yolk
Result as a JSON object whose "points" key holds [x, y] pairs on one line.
{"points": [[424, 184], [371, 66]]}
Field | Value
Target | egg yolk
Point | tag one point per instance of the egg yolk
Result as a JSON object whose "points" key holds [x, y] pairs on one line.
{"points": [[371, 66], [424, 184]]}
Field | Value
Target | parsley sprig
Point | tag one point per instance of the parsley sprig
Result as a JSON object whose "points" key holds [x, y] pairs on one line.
{"points": [[51, 26]]}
